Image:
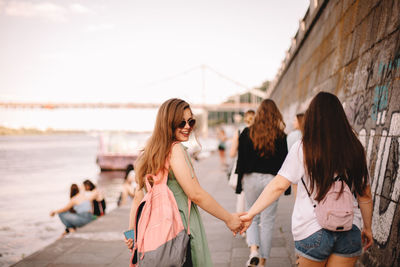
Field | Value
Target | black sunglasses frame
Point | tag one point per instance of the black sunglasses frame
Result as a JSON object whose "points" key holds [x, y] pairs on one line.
{"points": [[190, 121]]}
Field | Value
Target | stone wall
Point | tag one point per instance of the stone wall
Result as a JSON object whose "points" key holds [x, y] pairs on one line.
{"points": [[352, 49]]}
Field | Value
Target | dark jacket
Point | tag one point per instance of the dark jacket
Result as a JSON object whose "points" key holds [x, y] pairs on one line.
{"points": [[249, 160]]}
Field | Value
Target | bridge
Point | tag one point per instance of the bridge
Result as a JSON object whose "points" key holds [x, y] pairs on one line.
{"points": [[202, 110], [60, 105]]}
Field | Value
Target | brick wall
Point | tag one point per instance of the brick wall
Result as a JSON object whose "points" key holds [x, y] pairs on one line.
{"points": [[352, 49]]}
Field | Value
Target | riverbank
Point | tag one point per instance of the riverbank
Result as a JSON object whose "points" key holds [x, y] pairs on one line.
{"points": [[101, 242], [33, 131]]}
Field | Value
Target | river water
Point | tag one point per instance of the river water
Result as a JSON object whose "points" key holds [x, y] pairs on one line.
{"points": [[35, 175]]}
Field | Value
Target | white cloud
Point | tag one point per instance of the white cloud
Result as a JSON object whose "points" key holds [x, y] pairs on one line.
{"points": [[79, 9], [2, 4], [44, 10], [99, 27], [56, 56]]}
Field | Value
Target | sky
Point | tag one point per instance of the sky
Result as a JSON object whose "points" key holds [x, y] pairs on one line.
{"points": [[141, 51]]}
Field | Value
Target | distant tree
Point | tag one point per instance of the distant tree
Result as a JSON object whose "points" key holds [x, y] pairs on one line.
{"points": [[264, 86]]}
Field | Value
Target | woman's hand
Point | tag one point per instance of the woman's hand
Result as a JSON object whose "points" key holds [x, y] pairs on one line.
{"points": [[129, 244], [234, 223], [52, 213], [246, 220], [366, 238]]}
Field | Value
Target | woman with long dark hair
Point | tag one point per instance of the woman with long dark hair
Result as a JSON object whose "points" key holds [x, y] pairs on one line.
{"points": [[329, 148], [174, 124], [262, 150]]}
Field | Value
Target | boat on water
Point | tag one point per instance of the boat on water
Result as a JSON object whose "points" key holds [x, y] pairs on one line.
{"points": [[115, 161], [118, 150]]}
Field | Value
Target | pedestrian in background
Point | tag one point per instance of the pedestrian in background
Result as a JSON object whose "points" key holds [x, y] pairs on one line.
{"points": [[248, 119], [292, 138], [329, 148], [128, 186], [262, 150], [98, 202], [77, 212], [221, 135], [296, 134]]}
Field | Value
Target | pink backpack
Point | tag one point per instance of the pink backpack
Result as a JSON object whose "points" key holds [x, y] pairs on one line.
{"points": [[335, 211], [161, 239]]}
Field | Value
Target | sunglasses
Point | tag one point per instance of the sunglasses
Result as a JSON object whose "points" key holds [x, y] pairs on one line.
{"points": [[191, 123]]}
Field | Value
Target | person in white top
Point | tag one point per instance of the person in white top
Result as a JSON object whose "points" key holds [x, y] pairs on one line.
{"points": [[294, 136], [128, 187], [329, 148]]}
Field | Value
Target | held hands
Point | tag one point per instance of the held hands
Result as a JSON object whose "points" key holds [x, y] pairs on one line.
{"points": [[234, 223], [246, 221]]}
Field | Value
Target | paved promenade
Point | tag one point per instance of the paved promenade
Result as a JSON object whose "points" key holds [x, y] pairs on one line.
{"points": [[100, 243]]}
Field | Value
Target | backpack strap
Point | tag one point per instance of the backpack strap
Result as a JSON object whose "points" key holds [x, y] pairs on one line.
{"points": [[337, 178], [146, 179], [189, 163], [308, 193], [352, 190], [188, 224]]}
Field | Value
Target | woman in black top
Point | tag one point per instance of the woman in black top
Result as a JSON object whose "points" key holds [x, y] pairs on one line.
{"points": [[99, 203], [262, 150]]}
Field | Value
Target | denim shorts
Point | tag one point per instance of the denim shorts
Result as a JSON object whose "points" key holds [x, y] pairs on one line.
{"points": [[320, 245]]}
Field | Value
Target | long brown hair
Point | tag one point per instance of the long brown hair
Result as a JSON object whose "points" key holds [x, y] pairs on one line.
{"points": [[74, 190], [268, 125], [300, 120], [331, 147], [156, 151]]}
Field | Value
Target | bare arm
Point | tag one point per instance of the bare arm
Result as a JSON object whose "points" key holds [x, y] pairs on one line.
{"points": [[271, 192], [366, 205], [196, 193], [135, 204], [93, 195], [70, 204], [235, 145]]}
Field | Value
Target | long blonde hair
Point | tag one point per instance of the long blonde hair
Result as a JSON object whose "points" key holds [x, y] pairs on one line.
{"points": [[157, 149], [267, 127]]}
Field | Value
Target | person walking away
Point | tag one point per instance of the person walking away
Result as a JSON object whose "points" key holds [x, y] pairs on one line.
{"points": [[262, 150], [77, 212], [248, 119], [222, 146], [98, 202], [294, 136], [329, 149], [174, 124]]}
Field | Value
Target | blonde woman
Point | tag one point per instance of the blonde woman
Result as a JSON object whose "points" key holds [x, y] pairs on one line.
{"points": [[174, 124]]}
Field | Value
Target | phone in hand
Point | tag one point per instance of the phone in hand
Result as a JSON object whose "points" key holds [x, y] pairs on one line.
{"points": [[130, 234]]}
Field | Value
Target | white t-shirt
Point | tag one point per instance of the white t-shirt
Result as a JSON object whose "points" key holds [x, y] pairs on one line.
{"points": [[304, 221], [293, 137]]}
